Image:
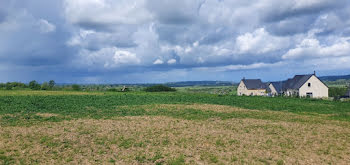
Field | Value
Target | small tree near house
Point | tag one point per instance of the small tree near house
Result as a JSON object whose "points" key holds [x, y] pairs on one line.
{"points": [[52, 84]]}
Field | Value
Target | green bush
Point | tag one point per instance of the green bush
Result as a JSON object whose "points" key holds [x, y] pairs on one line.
{"points": [[12, 85], [159, 88], [52, 84], [76, 87], [34, 85], [337, 91], [45, 86]]}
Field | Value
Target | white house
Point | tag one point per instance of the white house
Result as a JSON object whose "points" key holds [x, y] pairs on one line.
{"points": [[251, 87], [300, 85], [275, 88]]}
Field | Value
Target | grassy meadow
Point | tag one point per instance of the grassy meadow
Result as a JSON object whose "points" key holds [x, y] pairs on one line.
{"points": [[67, 127]]}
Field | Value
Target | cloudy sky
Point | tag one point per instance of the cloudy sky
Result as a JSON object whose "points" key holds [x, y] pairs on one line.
{"points": [[137, 41]]}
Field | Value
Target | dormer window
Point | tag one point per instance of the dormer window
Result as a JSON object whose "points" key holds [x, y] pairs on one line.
{"points": [[309, 84]]}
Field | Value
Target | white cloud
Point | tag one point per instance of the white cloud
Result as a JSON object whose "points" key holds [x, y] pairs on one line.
{"points": [[195, 44], [171, 61], [259, 42], [107, 58], [80, 38], [158, 62], [45, 26], [125, 57], [311, 48]]}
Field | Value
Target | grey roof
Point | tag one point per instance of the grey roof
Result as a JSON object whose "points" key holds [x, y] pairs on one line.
{"points": [[296, 82], [277, 86], [254, 84]]}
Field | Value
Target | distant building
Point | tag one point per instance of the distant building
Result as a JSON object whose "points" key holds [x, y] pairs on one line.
{"points": [[275, 88], [300, 85], [251, 87], [305, 86]]}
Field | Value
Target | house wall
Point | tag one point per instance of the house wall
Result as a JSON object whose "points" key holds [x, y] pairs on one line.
{"points": [[257, 92], [291, 92], [242, 90], [317, 88], [273, 90]]}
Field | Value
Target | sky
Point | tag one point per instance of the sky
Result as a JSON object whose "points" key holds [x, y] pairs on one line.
{"points": [[155, 41]]}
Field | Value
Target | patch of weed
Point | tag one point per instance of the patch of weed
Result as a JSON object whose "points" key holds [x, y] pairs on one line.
{"points": [[180, 160]]}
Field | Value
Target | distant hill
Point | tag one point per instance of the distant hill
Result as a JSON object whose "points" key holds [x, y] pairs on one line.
{"points": [[335, 78], [170, 84], [205, 83], [199, 83]]}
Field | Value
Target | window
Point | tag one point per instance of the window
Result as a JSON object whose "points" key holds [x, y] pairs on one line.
{"points": [[309, 95], [309, 84]]}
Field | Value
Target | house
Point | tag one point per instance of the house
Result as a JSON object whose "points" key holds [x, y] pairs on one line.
{"points": [[275, 88], [251, 87], [300, 85], [305, 86]]}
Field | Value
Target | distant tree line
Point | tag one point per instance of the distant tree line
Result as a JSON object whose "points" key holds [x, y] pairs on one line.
{"points": [[52, 86], [159, 88], [34, 85]]}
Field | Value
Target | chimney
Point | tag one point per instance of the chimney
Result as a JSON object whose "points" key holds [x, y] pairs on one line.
{"points": [[314, 73]]}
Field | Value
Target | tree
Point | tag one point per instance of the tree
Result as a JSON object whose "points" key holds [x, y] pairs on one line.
{"points": [[34, 85], [8, 86], [45, 86], [159, 88], [2, 85], [52, 84], [76, 87]]}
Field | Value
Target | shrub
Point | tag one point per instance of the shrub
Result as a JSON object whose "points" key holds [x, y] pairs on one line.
{"points": [[76, 87], [34, 85], [13, 85], [52, 84], [8, 86], [337, 91], [2, 85], [45, 86], [159, 88], [113, 90]]}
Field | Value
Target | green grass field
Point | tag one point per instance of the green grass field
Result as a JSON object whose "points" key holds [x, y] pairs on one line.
{"points": [[223, 90], [58, 127]]}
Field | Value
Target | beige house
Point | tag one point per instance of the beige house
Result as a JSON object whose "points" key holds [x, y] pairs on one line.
{"points": [[274, 88], [299, 85], [251, 87], [305, 86]]}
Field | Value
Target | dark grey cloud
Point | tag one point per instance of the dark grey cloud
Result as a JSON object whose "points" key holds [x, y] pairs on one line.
{"points": [[2, 16], [175, 12], [166, 40], [292, 26], [290, 9]]}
